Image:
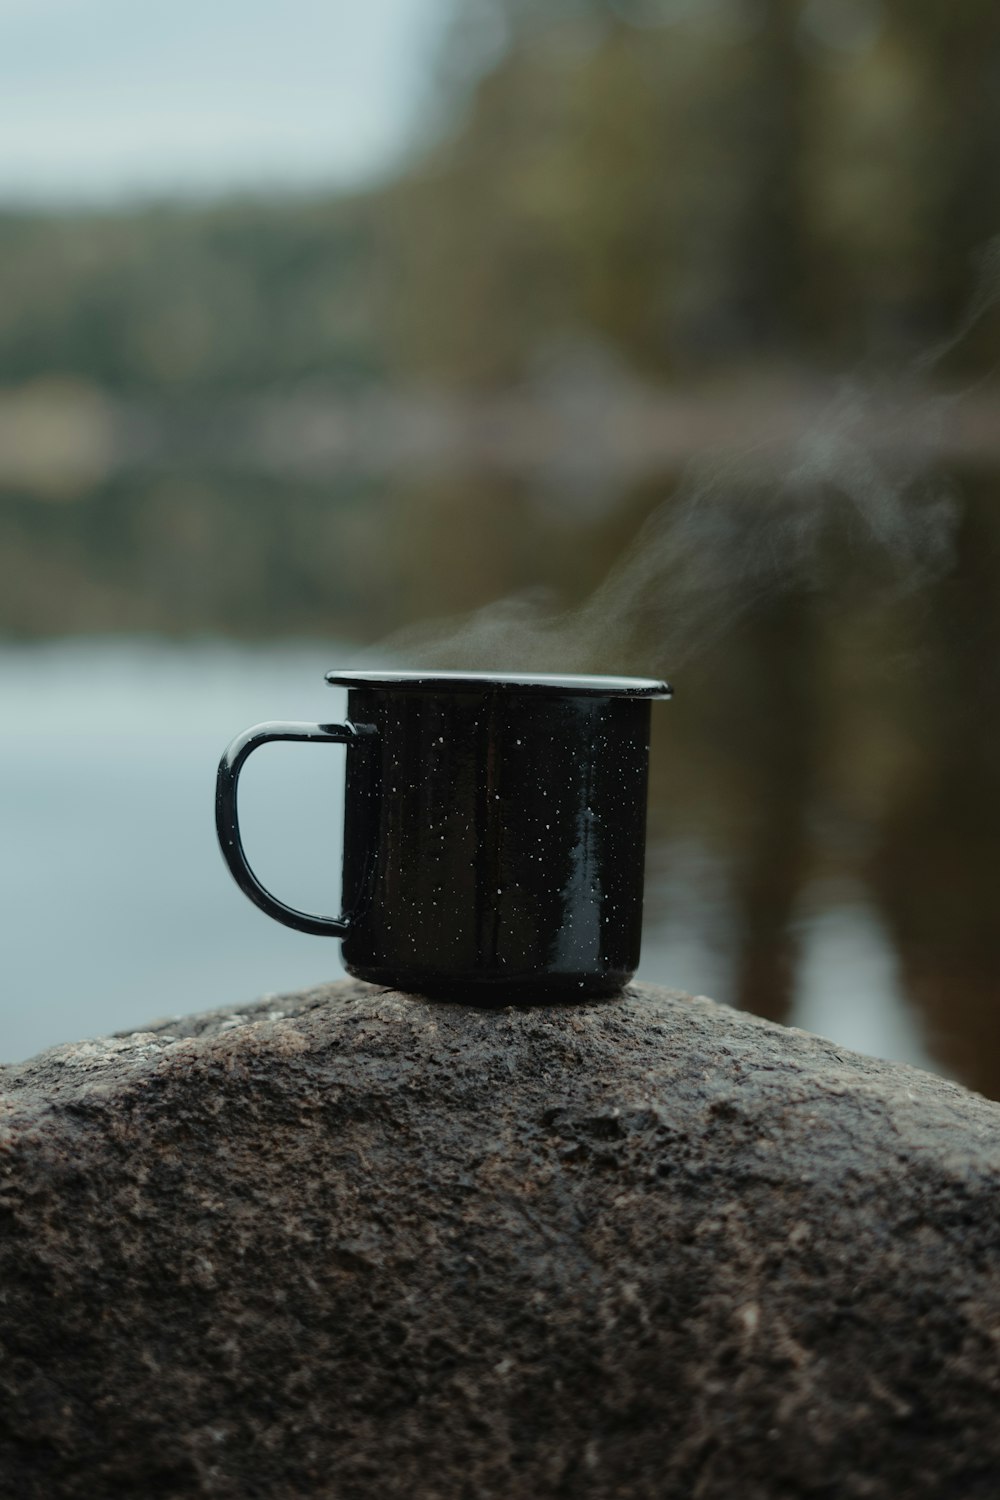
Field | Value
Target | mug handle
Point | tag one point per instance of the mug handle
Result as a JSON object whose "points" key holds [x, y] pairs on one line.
{"points": [[227, 824]]}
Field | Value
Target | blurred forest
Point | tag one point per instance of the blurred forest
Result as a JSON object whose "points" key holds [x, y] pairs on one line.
{"points": [[253, 416], [651, 232]]}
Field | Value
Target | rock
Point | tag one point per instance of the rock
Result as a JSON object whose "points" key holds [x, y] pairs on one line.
{"points": [[352, 1244]]}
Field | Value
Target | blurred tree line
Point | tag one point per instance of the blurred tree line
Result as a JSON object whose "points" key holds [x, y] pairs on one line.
{"points": [[703, 182], [696, 184], [681, 192], [182, 298]]}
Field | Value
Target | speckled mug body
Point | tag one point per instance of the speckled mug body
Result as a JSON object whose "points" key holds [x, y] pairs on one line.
{"points": [[494, 841]]}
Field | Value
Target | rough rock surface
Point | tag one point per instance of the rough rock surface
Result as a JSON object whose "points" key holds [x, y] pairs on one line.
{"points": [[354, 1244]]}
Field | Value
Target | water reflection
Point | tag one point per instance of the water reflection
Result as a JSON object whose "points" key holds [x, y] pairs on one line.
{"points": [[118, 908], [116, 905], [836, 955], [848, 984], [935, 871]]}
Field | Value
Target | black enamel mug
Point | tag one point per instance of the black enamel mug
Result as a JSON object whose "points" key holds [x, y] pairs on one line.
{"points": [[494, 831]]}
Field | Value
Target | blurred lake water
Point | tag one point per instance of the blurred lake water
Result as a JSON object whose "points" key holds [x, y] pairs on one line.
{"points": [[118, 909]]}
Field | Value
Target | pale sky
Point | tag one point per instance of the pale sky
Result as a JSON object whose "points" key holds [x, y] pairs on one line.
{"points": [[103, 99]]}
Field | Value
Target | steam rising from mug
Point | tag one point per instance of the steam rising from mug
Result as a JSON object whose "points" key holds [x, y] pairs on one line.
{"points": [[858, 487]]}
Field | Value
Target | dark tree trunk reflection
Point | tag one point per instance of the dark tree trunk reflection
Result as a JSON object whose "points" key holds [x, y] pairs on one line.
{"points": [[936, 871], [773, 708]]}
